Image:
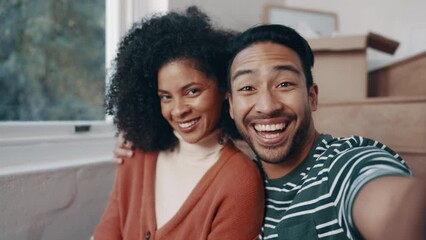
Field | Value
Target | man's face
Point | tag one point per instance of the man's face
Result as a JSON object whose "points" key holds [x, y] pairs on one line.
{"points": [[270, 102]]}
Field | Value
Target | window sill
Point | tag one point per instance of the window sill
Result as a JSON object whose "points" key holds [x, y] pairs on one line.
{"points": [[32, 145]]}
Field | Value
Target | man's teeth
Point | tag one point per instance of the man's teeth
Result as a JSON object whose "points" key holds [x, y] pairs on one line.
{"points": [[188, 124], [269, 127], [270, 135]]}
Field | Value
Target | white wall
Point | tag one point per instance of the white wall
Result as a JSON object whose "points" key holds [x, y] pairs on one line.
{"points": [[402, 20], [54, 203], [54, 182], [233, 14]]}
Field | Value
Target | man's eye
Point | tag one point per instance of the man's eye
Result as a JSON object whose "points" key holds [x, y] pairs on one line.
{"points": [[246, 88], [285, 84]]}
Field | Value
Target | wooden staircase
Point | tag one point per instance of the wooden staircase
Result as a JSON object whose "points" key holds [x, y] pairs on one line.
{"points": [[403, 78], [394, 112]]}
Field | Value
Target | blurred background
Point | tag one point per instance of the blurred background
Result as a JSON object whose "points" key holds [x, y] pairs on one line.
{"points": [[56, 55]]}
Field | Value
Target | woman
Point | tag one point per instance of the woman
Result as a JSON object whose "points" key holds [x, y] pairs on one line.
{"points": [[185, 180]]}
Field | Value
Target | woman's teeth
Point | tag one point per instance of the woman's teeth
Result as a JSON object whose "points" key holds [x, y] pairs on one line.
{"points": [[188, 124]]}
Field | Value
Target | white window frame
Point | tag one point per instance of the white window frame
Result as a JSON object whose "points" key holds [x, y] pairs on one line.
{"points": [[33, 145]]}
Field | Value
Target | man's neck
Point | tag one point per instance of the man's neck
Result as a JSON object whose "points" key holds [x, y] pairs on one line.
{"points": [[278, 170]]}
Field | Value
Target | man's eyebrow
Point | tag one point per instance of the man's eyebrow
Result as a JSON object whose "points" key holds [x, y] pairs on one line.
{"points": [[287, 68], [241, 72]]}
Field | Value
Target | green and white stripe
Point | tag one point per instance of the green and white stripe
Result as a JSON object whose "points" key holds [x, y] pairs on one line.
{"points": [[315, 200]]}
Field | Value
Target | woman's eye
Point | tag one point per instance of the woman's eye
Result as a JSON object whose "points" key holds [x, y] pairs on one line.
{"points": [[192, 91], [164, 97], [246, 88]]}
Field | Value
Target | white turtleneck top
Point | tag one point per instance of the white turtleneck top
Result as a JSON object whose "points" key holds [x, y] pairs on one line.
{"points": [[178, 172]]}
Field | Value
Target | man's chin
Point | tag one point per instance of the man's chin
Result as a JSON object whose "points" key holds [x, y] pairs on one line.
{"points": [[272, 156]]}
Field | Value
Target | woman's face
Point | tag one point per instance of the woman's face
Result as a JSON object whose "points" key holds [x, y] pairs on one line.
{"points": [[190, 100]]}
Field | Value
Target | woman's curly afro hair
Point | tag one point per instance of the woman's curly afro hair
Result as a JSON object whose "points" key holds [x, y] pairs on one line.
{"points": [[132, 95]]}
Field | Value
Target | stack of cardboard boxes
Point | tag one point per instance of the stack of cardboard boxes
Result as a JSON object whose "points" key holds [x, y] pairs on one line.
{"points": [[388, 104], [341, 67]]}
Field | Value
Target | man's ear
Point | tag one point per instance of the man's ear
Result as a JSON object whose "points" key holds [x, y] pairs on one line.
{"points": [[313, 96], [231, 109]]}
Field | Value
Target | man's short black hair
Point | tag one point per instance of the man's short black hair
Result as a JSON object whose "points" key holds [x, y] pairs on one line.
{"points": [[279, 34]]}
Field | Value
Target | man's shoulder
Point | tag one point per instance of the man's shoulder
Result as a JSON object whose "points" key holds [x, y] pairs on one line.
{"points": [[329, 144], [351, 141], [345, 152]]}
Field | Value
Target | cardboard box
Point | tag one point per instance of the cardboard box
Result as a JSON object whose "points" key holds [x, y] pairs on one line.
{"points": [[340, 67], [406, 77]]}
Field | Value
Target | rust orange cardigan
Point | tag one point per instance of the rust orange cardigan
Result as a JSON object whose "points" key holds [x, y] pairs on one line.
{"points": [[227, 203]]}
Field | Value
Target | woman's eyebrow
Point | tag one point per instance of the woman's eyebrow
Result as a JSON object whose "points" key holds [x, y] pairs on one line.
{"points": [[182, 88]]}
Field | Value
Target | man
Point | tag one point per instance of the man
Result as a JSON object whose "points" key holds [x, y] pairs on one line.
{"points": [[317, 186]]}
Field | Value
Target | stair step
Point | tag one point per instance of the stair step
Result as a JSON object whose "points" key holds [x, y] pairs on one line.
{"points": [[399, 122]]}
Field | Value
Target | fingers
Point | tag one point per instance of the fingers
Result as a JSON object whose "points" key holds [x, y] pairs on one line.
{"points": [[128, 144], [123, 148], [120, 140], [123, 143], [122, 152], [117, 161]]}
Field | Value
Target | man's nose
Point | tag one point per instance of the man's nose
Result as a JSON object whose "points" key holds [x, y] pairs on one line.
{"points": [[267, 102]]}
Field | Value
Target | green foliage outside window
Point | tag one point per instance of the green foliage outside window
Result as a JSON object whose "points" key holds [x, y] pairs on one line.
{"points": [[52, 60]]}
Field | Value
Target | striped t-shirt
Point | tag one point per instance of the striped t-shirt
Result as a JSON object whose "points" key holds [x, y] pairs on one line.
{"points": [[314, 201]]}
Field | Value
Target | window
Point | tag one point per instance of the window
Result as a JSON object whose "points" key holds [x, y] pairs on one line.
{"points": [[35, 137], [52, 60]]}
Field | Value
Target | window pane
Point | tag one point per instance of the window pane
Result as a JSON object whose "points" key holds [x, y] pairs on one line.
{"points": [[52, 60]]}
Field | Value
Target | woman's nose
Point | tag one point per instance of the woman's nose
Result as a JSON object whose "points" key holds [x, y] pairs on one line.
{"points": [[180, 107]]}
